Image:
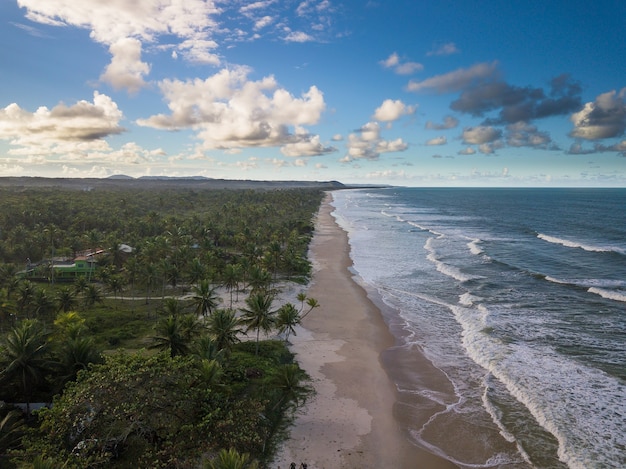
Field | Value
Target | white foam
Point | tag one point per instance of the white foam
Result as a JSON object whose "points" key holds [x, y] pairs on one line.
{"points": [[578, 245], [609, 294], [474, 247]]}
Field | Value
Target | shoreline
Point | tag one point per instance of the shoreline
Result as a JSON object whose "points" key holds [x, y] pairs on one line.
{"points": [[350, 420]]}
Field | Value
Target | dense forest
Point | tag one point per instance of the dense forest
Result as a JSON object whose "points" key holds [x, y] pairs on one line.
{"points": [[151, 357]]}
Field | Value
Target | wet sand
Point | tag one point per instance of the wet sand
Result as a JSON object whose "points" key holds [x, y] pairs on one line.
{"points": [[349, 423]]}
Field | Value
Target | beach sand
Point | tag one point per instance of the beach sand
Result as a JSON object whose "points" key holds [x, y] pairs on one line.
{"points": [[349, 423]]}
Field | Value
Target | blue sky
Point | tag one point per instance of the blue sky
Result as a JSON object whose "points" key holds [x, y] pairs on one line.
{"points": [[414, 93]]}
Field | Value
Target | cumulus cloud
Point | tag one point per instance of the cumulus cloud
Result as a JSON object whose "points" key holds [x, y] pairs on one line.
{"points": [[126, 69], [79, 127], [366, 143], [456, 80], [437, 141], [522, 134], [308, 146], [467, 151], [391, 110], [444, 49], [519, 103], [229, 111], [125, 26], [577, 148], [605, 117], [298, 36], [401, 68], [449, 122], [480, 134]]}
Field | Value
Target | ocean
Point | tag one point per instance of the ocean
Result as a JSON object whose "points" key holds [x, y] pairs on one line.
{"points": [[515, 300]]}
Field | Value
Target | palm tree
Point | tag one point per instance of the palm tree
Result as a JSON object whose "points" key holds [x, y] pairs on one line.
{"points": [[301, 298], [288, 380], [75, 354], [42, 304], [11, 429], [288, 318], [205, 298], [92, 296], [232, 275], [206, 348], [224, 328], [25, 352], [312, 303], [231, 459], [170, 336], [259, 278], [115, 284], [258, 314], [172, 307], [25, 292], [65, 298]]}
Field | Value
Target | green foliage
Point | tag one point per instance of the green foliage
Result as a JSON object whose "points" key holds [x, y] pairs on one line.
{"points": [[208, 391], [141, 410], [231, 459]]}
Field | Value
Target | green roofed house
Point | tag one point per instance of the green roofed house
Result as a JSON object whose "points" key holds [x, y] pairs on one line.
{"points": [[82, 266]]}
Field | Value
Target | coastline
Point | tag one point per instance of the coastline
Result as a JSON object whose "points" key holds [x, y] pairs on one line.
{"points": [[350, 421]]}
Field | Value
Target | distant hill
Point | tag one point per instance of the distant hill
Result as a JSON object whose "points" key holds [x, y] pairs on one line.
{"points": [[159, 182]]}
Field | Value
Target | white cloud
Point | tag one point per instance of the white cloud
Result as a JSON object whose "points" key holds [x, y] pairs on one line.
{"points": [[367, 144], [445, 49], [467, 151], [603, 118], [391, 110], [456, 80], [522, 134], [449, 122], [399, 67], [229, 111], [126, 69], [298, 36], [480, 134], [437, 141], [263, 22], [308, 146], [77, 128], [125, 26]]}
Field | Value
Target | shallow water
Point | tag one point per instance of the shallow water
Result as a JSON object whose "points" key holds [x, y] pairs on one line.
{"points": [[518, 299]]}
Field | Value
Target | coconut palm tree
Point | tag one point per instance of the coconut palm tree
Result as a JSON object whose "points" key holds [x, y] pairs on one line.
{"points": [[42, 304], [205, 348], [232, 276], [11, 430], [65, 299], [288, 318], [258, 314], [26, 356], [224, 329], [204, 298], [312, 303], [289, 380], [92, 296], [170, 336], [25, 293], [73, 355]]}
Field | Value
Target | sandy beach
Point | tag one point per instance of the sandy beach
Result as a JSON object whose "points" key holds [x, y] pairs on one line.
{"points": [[349, 423]]}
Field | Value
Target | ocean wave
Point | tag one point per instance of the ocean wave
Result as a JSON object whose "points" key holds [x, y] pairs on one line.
{"points": [[578, 245], [546, 391], [474, 247], [590, 283], [609, 294]]}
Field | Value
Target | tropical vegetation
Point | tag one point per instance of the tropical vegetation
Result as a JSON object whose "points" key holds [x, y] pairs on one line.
{"points": [[142, 363]]}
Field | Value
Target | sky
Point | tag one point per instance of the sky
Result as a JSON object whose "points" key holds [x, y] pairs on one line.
{"points": [[401, 92]]}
